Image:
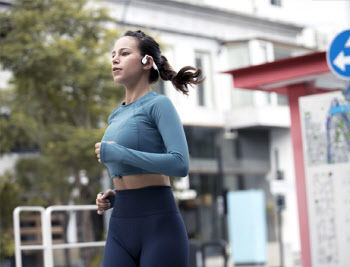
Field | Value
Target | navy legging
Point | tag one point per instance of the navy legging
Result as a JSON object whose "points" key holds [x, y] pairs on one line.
{"points": [[146, 229]]}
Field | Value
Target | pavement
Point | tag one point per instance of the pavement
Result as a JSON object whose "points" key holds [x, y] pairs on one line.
{"points": [[218, 261]]}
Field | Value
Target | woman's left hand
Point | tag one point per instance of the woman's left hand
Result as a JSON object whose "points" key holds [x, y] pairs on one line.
{"points": [[97, 149]]}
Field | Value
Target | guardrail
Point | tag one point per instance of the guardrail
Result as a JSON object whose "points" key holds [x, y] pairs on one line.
{"points": [[47, 245], [198, 252], [221, 244]]}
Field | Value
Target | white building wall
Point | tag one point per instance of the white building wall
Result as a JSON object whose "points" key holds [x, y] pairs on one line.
{"points": [[281, 139], [322, 19]]}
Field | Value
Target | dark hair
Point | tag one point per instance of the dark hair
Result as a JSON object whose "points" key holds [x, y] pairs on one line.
{"points": [[180, 80]]}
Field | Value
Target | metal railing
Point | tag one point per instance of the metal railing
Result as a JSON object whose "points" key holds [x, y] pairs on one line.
{"points": [[221, 244], [46, 229], [198, 253]]}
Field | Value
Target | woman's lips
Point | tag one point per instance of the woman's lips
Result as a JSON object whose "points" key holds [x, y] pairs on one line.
{"points": [[116, 70]]}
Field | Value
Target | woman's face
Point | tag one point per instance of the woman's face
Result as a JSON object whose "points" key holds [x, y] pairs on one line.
{"points": [[126, 60]]}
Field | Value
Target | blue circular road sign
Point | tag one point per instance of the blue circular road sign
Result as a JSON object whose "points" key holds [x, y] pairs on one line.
{"points": [[338, 55]]}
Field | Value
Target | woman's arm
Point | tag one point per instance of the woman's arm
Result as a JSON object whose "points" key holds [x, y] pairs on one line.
{"points": [[175, 162]]}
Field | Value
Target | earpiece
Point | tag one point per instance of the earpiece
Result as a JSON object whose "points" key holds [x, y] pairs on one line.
{"points": [[144, 61]]}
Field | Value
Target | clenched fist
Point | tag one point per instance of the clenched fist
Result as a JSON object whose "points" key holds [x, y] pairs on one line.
{"points": [[103, 203], [97, 149]]}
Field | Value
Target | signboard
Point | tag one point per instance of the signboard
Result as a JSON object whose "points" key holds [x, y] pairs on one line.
{"points": [[338, 55], [326, 147], [246, 210]]}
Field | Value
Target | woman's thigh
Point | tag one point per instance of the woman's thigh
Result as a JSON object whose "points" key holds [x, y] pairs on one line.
{"points": [[116, 255], [166, 242]]}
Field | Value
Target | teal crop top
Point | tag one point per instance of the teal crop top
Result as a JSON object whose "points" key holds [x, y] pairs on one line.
{"points": [[149, 138]]}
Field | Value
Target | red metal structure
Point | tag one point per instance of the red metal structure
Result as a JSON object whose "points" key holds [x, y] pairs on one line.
{"points": [[295, 77]]}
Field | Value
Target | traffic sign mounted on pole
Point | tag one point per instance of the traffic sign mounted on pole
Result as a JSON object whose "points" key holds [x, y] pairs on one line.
{"points": [[338, 55]]}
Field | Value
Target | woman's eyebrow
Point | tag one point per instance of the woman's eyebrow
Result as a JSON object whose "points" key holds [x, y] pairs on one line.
{"points": [[121, 49]]}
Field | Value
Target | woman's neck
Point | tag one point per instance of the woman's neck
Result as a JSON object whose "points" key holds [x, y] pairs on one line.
{"points": [[136, 89], [131, 96]]}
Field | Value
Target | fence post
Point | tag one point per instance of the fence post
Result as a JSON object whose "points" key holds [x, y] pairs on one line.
{"points": [[215, 243], [17, 231], [195, 255]]}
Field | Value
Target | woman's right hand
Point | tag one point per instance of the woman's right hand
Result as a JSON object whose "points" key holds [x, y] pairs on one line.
{"points": [[98, 149], [103, 203]]}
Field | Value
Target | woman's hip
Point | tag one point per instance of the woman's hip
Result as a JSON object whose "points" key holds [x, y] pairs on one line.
{"points": [[145, 201]]}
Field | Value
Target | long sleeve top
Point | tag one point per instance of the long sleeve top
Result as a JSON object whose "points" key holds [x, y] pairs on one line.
{"points": [[148, 137]]}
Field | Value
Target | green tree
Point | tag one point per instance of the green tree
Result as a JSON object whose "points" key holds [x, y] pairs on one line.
{"points": [[8, 189], [60, 91]]}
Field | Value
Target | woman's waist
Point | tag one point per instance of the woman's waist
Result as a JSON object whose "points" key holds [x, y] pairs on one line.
{"points": [[134, 181]]}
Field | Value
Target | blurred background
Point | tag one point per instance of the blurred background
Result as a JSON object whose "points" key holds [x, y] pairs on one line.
{"points": [[244, 199]]}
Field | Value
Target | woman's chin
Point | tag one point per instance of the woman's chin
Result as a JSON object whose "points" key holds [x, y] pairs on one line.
{"points": [[117, 80]]}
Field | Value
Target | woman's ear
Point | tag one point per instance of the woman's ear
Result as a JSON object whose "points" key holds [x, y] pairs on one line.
{"points": [[147, 61]]}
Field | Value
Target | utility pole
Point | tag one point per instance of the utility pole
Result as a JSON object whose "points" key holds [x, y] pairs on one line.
{"points": [[219, 196], [280, 205]]}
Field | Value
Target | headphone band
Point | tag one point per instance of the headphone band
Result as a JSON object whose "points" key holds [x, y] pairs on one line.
{"points": [[144, 61]]}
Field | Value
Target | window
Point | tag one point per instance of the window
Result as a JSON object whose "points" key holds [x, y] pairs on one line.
{"points": [[200, 86], [281, 52], [165, 87], [276, 2], [201, 141], [238, 55], [204, 89], [282, 100], [285, 51]]}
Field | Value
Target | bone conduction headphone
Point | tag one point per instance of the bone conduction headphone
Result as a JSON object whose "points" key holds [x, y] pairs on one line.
{"points": [[144, 61]]}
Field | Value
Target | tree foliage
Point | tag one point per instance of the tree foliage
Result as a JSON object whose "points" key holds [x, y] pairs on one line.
{"points": [[57, 101]]}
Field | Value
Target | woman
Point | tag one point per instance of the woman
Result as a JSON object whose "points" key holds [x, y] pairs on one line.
{"points": [[143, 145]]}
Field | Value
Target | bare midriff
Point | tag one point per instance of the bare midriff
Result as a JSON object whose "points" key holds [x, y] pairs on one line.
{"points": [[135, 181]]}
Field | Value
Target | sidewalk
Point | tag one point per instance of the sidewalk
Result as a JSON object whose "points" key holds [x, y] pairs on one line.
{"points": [[218, 261]]}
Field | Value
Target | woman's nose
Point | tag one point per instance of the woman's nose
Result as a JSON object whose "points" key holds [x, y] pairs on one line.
{"points": [[114, 59]]}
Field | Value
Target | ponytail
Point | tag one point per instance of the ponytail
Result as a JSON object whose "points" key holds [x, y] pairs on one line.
{"points": [[181, 79]]}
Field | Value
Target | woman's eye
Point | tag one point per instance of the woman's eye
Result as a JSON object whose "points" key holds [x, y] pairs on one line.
{"points": [[124, 53]]}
